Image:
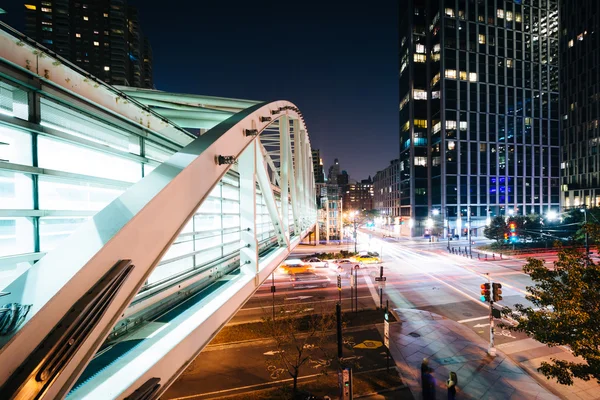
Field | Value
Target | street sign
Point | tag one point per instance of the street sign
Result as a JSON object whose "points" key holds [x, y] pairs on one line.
{"points": [[339, 282], [380, 279], [386, 333]]}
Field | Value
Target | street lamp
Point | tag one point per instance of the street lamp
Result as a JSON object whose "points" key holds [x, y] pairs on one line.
{"points": [[355, 237]]}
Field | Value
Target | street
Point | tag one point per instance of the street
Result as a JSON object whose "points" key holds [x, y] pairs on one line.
{"points": [[419, 276]]}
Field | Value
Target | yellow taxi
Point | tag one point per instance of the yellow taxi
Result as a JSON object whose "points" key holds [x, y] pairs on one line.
{"points": [[294, 266], [367, 258]]}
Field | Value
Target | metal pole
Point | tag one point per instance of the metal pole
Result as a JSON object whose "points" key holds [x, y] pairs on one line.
{"points": [[587, 244], [273, 291], [469, 223], [448, 229], [356, 290], [355, 237], [338, 313], [492, 348]]}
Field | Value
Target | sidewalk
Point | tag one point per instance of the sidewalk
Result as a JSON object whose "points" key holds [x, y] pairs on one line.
{"points": [[450, 346]]}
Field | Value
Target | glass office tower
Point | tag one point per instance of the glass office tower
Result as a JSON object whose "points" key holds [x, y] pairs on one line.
{"points": [[479, 119], [580, 93]]}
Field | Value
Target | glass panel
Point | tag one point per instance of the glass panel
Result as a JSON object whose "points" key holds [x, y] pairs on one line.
{"points": [[60, 194], [13, 101], [207, 222], [169, 269], [54, 229], [208, 256], [15, 146], [16, 236], [156, 152], [16, 191], [179, 249], [8, 272], [68, 157], [76, 123]]}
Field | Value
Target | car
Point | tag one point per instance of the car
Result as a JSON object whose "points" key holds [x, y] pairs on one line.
{"points": [[346, 265], [293, 266], [316, 262], [309, 280], [368, 258]]}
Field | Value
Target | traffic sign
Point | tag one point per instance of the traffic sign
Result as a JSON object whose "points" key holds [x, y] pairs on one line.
{"points": [[386, 333], [380, 279], [339, 282]]}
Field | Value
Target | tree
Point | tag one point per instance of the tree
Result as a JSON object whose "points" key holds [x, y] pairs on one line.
{"points": [[299, 340], [496, 229], [565, 312]]}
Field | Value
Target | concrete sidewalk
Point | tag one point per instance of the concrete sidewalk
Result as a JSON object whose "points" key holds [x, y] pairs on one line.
{"points": [[453, 347]]}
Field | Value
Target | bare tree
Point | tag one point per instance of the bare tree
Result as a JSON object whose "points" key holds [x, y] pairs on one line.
{"points": [[299, 341]]}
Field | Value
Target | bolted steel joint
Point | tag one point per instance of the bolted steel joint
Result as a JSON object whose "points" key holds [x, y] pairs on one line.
{"points": [[250, 132], [265, 119], [220, 160]]}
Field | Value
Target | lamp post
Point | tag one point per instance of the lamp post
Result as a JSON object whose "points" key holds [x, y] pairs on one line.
{"points": [[448, 227], [587, 244], [355, 237], [469, 227]]}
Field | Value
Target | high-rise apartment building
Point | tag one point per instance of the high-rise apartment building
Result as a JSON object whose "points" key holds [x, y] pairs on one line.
{"points": [[479, 120], [334, 171], [358, 195], [318, 168], [580, 100], [102, 37]]}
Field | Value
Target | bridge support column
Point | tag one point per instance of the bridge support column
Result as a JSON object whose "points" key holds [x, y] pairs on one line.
{"points": [[247, 170]]}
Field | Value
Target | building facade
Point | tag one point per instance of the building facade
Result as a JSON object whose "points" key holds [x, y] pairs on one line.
{"points": [[386, 191], [318, 169], [479, 120], [334, 171], [103, 37], [580, 100], [358, 196]]}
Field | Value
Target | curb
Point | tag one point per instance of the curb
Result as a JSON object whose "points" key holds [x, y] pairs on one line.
{"points": [[393, 389]]}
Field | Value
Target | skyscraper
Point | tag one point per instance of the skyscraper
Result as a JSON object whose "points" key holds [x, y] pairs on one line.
{"points": [[102, 37], [580, 96], [334, 171], [479, 128], [318, 168]]}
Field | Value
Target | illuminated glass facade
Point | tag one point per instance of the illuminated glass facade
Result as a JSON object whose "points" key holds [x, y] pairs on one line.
{"points": [[580, 99], [479, 110]]}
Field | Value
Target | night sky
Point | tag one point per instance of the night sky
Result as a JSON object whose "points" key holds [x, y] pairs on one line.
{"points": [[337, 61]]}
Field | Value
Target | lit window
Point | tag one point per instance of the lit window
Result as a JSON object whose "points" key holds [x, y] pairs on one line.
{"points": [[46, 23], [96, 32], [463, 125], [435, 79], [473, 76], [105, 15], [450, 73], [46, 9], [405, 126], [419, 94], [518, 17], [451, 144], [435, 94], [509, 16], [85, 18], [436, 48], [404, 101], [463, 75], [78, 35], [420, 58], [437, 127], [481, 38], [509, 63], [435, 57], [500, 13], [449, 12], [403, 67], [420, 48], [30, 7], [96, 43], [106, 68], [450, 124], [571, 43], [580, 37]]}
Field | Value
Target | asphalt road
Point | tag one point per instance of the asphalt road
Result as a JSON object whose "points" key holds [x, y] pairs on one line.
{"points": [[418, 275], [226, 369]]}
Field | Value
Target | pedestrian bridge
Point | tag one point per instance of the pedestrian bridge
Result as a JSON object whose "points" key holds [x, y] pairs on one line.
{"points": [[120, 306]]}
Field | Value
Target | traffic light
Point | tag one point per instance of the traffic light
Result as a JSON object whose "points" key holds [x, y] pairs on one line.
{"points": [[485, 292], [496, 291], [513, 232]]}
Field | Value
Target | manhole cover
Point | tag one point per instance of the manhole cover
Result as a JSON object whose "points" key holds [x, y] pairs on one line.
{"points": [[467, 314], [414, 334]]}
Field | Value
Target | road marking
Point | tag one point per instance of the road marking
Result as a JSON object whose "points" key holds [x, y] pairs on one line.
{"points": [[371, 288], [462, 321], [297, 298], [481, 325], [272, 353]]}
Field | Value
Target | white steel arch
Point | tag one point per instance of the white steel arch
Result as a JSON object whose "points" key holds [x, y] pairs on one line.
{"points": [[80, 290]]}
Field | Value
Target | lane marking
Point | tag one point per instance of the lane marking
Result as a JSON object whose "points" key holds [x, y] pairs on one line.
{"points": [[462, 321]]}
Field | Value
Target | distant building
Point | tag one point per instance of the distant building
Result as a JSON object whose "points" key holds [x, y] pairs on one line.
{"points": [[386, 193], [343, 179], [318, 169], [359, 195], [334, 171], [330, 210], [103, 37]]}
